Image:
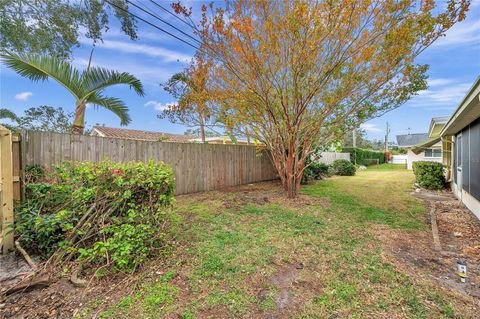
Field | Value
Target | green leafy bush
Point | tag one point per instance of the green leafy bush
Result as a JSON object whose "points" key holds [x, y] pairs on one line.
{"points": [[343, 167], [360, 156], [316, 171], [429, 174], [97, 213]]}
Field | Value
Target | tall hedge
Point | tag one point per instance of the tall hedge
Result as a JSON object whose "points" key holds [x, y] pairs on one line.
{"points": [[360, 156], [429, 174]]}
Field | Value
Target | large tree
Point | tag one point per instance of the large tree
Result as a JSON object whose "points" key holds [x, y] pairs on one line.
{"points": [[297, 74], [361, 140], [54, 26], [46, 118], [193, 96], [86, 86]]}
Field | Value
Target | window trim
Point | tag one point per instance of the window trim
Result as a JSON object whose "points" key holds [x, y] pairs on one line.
{"points": [[433, 149]]}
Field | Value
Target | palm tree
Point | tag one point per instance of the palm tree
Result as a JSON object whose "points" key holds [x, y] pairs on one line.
{"points": [[87, 86], [9, 115]]}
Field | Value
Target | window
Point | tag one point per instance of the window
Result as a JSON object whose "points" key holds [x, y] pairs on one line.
{"points": [[433, 152]]}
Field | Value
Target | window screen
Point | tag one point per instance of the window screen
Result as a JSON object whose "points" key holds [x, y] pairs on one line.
{"points": [[475, 159], [433, 152], [466, 159]]}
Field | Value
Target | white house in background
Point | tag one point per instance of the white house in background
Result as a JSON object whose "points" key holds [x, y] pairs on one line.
{"points": [[434, 151]]}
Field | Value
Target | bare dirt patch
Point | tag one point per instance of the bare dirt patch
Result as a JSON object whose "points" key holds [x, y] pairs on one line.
{"points": [[459, 234], [267, 192], [12, 268], [60, 299], [286, 290]]}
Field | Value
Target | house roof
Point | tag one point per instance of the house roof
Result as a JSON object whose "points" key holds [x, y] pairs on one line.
{"points": [[436, 126], [140, 135], [221, 140], [467, 112], [417, 149], [408, 140]]}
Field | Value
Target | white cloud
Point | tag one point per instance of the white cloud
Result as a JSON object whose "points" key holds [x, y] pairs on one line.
{"points": [[148, 74], [438, 82], [23, 96], [463, 33], [159, 106], [370, 127], [446, 94], [135, 47], [443, 94]]}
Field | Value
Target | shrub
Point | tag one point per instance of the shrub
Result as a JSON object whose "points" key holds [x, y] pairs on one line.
{"points": [[94, 212], [343, 167], [316, 171], [320, 170], [429, 174], [362, 157]]}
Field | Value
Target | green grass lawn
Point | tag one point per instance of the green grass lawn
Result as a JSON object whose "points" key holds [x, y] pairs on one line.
{"points": [[234, 256], [388, 167]]}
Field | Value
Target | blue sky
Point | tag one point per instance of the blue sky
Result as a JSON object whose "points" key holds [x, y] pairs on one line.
{"points": [[454, 65]]}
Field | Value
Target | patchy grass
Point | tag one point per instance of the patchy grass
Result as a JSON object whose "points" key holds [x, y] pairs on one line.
{"points": [[290, 261], [387, 167], [374, 195]]}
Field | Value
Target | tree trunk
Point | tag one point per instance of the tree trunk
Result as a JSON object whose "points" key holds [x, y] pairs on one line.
{"points": [[291, 187], [79, 119], [290, 170], [202, 127], [290, 173]]}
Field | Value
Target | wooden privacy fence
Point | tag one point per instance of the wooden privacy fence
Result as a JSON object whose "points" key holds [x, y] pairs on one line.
{"points": [[330, 157], [197, 167], [10, 168]]}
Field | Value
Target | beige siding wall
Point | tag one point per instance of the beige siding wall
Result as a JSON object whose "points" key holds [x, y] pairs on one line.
{"points": [[412, 157]]}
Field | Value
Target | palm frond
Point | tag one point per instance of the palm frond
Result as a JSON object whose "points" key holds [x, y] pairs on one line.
{"points": [[97, 79], [7, 114], [40, 67], [179, 77], [112, 104]]}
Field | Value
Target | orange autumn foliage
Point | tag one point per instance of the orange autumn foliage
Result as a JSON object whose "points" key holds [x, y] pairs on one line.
{"points": [[297, 74]]}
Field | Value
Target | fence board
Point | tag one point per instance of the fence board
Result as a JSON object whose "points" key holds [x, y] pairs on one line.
{"points": [[330, 157], [197, 167], [6, 190]]}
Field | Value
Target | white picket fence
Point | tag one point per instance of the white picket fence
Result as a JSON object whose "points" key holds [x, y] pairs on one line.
{"points": [[330, 157]]}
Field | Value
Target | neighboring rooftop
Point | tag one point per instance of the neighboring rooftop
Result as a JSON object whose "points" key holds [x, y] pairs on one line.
{"points": [[141, 135], [408, 140], [436, 125]]}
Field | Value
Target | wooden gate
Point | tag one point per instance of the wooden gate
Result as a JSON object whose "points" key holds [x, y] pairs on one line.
{"points": [[6, 190]]}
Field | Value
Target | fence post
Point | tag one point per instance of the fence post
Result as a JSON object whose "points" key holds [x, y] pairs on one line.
{"points": [[6, 190], [17, 167]]}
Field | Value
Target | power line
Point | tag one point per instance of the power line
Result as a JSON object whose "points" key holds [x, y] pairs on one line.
{"points": [[153, 25], [172, 35], [168, 11], [166, 22]]}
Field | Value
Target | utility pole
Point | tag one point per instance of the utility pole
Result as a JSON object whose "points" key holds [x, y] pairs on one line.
{"points": [[354, 138], [387, 131]]}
